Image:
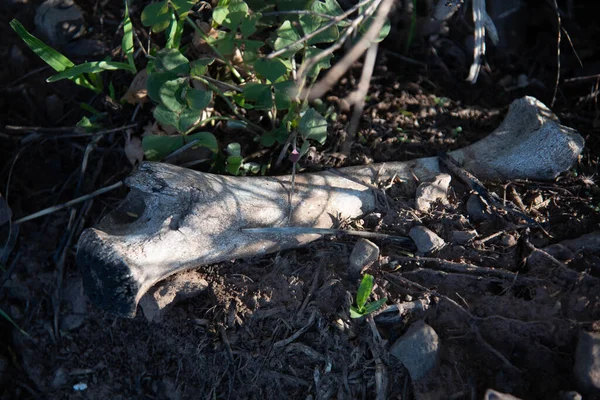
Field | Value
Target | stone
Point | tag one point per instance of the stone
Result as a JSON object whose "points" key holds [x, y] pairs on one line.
{"points": [[508, 240], [164, 295], [418, 349], [74, 296], [477, 209], [59, 22], [364, 254], [431, 191], [425, 239], [60, 379], [587, 362], [491, 394], [463, 237], [569, 395]]}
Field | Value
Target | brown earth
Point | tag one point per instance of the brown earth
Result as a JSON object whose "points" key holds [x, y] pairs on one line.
{"points": [[514, 331]]}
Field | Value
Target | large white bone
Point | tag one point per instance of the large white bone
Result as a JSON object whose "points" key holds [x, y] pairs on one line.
{"points": [[175, 219]]}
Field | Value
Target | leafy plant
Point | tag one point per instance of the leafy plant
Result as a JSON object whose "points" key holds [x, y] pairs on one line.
{"points": [[363, 307], [271, 44], [83, 74], [258, 57]]}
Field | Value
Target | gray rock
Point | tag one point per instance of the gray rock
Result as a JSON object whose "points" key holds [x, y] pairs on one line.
{"points": [[463, 237], [59, 21], [570, 395], [432, 191], [364, 254], [418, 349], [477, 209], [508, 240], [60, 379], [425, 239], [491, 394], [164, 295], [587, 362], [74, 296]]}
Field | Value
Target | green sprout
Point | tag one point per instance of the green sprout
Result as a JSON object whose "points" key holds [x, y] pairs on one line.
{"points": [[363, 307]]}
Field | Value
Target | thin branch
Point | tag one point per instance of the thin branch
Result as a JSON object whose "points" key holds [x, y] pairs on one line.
{"points": [[299, 12], [335, 73], [297, 230], [308, 64], [359, 97], [70, 203], [558, 40]]}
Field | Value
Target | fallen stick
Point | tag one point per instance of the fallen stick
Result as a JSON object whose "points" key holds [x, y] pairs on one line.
{"points": [[175, 219]]}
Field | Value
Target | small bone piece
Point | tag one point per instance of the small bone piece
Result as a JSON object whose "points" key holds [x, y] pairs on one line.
{"points": [[175, 219]]}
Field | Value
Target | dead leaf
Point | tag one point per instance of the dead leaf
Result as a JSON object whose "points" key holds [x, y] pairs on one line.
{"points": [[133, 148], [137, 92]]}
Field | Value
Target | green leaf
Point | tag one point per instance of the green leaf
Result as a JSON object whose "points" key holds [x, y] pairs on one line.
{"points": [[183, 7], [234, 149], [310, 23], [198, 99], [53, 58], [283, 91], [165, 116], [157, 15], [174, 32], [89, 68], [170, 94], [233, 164], [329, 7], [364, 291], [248, 25], [157, 147], [260, 94], [205, 139], [155, 81], [286, 35], [313, 126], [225, 42], [278, 135], [200, 66], [231, 15], [250, 49], [271, 69], [355, 312], [127, 41], [172, 60], [187, 119], [374, 306], [364, 27], [325, 63]]}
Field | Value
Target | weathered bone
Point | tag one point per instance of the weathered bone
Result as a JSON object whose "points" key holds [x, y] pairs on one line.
{"points": [[175, 219]]}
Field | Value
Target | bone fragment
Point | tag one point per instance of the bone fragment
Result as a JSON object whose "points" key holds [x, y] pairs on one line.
{"points": [[176, 219]]}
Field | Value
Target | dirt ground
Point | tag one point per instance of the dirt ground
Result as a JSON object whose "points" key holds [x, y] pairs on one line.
{"points": [[514, 331]]}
